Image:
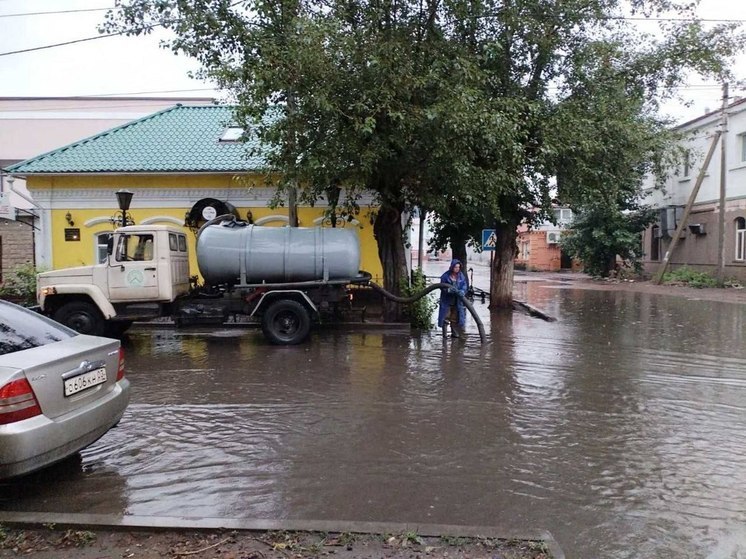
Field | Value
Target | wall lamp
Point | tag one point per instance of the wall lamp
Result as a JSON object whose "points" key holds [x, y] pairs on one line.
{"points": [[69, 219]]}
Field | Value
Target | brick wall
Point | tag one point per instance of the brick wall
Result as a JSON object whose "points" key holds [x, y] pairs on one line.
{"points": [[541, 255], [16, 245]]}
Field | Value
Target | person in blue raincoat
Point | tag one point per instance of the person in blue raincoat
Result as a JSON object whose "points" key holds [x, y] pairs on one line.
{"points": [[452, 309]]}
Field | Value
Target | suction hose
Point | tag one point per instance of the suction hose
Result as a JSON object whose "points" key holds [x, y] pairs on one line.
{"points": [[427, 290]]}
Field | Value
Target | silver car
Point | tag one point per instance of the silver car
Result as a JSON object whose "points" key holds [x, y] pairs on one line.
{"points": [[60, 391]]}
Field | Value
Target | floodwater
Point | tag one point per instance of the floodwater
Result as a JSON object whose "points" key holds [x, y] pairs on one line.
{"points": [[620, 428]]}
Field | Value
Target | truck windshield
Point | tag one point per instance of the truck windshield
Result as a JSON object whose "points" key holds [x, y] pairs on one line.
{"points": [[134, 247]]}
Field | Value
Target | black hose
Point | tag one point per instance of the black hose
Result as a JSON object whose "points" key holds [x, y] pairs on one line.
{"points": [[427, 290]]}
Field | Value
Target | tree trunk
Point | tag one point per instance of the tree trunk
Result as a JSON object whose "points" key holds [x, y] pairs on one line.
{"points": [[388, 232], [458, 249], [501, 285], [292, 206]]}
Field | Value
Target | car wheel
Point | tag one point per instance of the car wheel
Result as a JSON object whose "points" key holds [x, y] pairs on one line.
{"points": [[82, 317], [286, 322]]}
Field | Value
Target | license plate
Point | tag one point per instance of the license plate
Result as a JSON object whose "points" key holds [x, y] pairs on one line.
{"points": [[86, 380]]}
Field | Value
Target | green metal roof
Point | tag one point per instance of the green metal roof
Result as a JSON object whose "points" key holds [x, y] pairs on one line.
{"points": [[181, 139]]}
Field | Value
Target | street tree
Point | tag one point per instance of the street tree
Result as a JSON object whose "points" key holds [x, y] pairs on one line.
{"points": [[355, 90], [436, 104], [580, 84]]}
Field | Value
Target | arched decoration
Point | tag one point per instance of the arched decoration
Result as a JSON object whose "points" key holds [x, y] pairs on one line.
{"points": [[97, 221], [162, 219], [271, 219], [341, 222], [205, 210]]}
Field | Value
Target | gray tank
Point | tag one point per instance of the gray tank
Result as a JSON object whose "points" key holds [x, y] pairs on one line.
{"points": [[276, 254]]}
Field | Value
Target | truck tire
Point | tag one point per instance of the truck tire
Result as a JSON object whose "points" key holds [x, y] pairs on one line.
{"points": [[286, 322], [82, 317], [115, 329]]}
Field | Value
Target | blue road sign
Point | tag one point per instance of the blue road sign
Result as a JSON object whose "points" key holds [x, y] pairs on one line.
{"points": [[489, 239]]}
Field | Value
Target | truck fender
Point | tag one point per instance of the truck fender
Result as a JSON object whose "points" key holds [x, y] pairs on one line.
{"points": [[294, 294], [103, 304]]}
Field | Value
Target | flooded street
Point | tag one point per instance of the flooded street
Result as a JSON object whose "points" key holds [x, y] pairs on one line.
{"points": [[620, 428]]}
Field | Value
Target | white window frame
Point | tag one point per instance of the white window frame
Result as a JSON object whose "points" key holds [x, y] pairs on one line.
{"points": [[740, 241], [563, 216], [686, 164], [231, 134], [742, 145]]}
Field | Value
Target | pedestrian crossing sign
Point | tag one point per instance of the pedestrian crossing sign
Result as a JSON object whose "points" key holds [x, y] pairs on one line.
{"points": [[489, 239]]}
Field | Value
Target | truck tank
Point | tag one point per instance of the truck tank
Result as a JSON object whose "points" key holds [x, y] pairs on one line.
{"points": [[276, 254]]}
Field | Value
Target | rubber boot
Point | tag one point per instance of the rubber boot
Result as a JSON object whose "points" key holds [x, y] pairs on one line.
{"points": [[455, 330]]}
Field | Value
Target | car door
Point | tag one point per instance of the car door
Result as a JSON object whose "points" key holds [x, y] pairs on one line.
{"points": [[132, 270]]}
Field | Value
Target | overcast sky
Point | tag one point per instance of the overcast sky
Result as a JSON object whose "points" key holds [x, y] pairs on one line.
{"points": [[132, 65]]}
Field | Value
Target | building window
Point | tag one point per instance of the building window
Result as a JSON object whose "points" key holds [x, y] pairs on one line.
{"points": [[525, 250], [686, 165], [102, 246], [232, 134], [655, 243], [563, 216], [740, 239], [742, 146]]}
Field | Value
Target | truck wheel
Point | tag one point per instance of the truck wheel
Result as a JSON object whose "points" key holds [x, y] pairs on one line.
{"points": [[82, 317], [286, 322], [117, 328]]}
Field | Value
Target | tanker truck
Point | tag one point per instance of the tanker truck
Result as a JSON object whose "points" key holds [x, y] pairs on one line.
{"points": [[285, 278]]}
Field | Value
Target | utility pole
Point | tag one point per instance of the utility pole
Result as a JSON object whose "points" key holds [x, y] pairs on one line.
{"points": [[723, 182]]}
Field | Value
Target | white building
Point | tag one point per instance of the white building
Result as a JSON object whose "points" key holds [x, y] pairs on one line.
{"points": [[698, 245]]}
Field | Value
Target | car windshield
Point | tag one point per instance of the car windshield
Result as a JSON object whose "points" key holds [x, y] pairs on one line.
{"points": [[22, 329]]}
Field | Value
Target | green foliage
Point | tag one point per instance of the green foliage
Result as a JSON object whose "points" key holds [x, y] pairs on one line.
{"points": [[599, 233], [411, 538], [20, 285], [468, 109], [77, 538], [420, 313], [689, 277]]}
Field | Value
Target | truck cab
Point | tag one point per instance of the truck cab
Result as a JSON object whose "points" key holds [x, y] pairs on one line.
{"points": [[147, 267]]}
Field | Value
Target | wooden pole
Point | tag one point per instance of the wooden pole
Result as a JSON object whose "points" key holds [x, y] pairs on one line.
{"points": [[421, 237], [723, 181], [693, 196]]}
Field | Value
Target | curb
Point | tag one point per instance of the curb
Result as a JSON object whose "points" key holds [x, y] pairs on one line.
{"points": [[254, 325], [158, 523]]}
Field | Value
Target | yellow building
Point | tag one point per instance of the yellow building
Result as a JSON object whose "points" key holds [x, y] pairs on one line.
{"points": [[183, 166]]}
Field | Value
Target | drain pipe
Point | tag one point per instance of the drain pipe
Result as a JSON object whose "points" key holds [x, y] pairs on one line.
{"points": [[427, 290]]}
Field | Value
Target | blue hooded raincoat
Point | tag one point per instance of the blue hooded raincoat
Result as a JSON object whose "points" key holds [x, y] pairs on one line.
{"points": [[447, 299]]}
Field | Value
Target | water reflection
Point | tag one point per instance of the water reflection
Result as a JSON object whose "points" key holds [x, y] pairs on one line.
{"points": [[621, 428]]}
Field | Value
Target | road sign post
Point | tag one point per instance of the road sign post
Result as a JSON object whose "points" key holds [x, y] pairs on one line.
{"points": [[489, 239]]}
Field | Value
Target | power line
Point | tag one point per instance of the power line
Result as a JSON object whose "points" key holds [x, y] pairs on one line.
{"points": [[670, 19], [60, 12], [32, 49], [620, 18]]}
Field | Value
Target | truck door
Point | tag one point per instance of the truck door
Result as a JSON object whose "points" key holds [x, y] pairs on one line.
{"points": [[132, 269]]}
